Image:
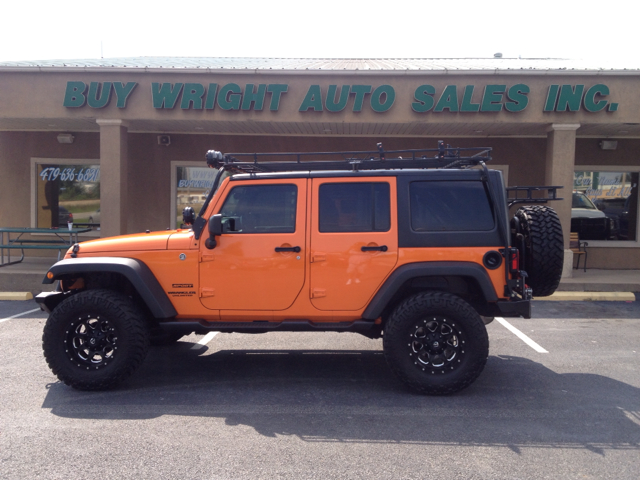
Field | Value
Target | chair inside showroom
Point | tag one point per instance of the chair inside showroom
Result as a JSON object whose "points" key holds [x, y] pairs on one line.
{"points": [[578, 248]]}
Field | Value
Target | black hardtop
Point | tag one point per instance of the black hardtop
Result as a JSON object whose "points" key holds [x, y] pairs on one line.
{"points": [[431, 174]]}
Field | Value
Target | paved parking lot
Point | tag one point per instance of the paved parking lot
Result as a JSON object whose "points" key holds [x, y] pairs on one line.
{"points": [[324, 405]]}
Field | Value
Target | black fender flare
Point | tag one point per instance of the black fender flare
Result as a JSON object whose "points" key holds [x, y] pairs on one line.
{"points": [[137, 272], [427, 269]]}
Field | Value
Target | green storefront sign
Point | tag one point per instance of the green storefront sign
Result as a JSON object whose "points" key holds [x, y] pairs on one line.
{"points": [[337, 98]]}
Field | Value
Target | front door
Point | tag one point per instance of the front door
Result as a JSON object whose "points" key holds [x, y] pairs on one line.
{"points": [[354, 240], [258, 263]]}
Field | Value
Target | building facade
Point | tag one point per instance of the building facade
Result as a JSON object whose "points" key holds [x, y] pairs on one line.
{"points": [[119, 145]]}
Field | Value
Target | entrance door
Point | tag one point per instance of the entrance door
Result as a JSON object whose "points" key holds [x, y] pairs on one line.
{"points": [[258, 263], [354, 240]]}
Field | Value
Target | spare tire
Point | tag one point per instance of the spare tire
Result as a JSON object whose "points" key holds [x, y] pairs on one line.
{"points": [[543, 248]]}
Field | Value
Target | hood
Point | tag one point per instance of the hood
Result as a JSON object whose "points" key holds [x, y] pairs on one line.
{"points": [[586, 213], [127, 243]]}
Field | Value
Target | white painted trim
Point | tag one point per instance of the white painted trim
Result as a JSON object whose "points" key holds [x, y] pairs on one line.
{"points": [[563, 126], [111, 122]]}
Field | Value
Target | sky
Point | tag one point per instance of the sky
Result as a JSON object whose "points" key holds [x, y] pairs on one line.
{"points": [[578, 30]]}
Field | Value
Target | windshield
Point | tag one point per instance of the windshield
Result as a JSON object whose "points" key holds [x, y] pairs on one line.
{"points": [[582, 201]]}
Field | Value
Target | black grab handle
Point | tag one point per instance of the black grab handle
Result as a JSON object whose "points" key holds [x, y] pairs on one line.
{"points": [[288, 249], [381, 248]]}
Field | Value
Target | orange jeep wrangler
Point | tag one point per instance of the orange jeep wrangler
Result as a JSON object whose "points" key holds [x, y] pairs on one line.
{"points": [[414, 246]]}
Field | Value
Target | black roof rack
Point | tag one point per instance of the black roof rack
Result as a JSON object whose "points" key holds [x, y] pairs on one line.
{"points": [[441, 157]]}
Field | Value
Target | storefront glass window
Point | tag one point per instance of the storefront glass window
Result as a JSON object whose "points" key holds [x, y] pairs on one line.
{"points": [[605, 205], [193, 184], [68, 193]]}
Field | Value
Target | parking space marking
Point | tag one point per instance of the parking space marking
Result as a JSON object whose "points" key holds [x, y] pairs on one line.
{"points": [[19, 315], [520, 335], [204, 340]]}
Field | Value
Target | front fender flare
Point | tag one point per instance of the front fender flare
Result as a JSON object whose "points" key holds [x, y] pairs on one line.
{"points": [[137, 272]]}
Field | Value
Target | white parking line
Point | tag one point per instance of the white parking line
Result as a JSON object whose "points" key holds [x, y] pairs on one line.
{"points": [[204, 340], [521, 335], [19, 315]]}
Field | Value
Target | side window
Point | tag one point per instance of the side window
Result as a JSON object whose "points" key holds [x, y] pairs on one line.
{"points": [[260, 209], [441, 206], [354, 207]]}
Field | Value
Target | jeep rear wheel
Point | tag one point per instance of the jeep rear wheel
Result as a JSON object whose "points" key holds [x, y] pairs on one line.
{"points": [[543, 248], [436, 343], [95, 339]]}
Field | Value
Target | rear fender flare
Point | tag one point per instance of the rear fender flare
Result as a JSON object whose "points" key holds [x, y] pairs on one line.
{"points": [[428, 269]]}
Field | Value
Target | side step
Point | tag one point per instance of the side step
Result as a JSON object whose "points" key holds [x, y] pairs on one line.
{"points": [[365, 327]]}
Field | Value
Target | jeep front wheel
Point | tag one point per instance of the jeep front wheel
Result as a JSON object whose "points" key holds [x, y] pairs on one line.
{"points": [[95, 339], [436, 343]]}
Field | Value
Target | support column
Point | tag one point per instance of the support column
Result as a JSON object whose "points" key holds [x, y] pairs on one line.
{"points": [[113, 177], [559, 167]]}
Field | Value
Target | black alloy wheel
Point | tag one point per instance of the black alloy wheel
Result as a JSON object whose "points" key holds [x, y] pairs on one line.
{"points": [[436, 343], [91, 341]]}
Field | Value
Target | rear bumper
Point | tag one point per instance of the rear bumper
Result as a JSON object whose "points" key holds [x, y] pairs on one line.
{"points": [[517, 308]]}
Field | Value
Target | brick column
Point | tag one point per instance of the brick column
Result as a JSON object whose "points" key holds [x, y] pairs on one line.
{"points": [[113, 177], [559, 167]]}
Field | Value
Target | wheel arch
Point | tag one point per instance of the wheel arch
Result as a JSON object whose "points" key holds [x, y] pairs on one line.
{"points": [[438, 276], [136, 273]]}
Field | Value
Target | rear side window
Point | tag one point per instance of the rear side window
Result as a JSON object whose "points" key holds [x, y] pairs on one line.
{"points": [[260, 209], [440, 206], [355, 207]]}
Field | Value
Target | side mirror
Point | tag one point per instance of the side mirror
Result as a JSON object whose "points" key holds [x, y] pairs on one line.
{"points": [[215, 229], [188, 217]]}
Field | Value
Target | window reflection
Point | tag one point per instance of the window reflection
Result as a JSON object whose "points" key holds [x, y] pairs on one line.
{"points": [[68, 194], [605, 205]]}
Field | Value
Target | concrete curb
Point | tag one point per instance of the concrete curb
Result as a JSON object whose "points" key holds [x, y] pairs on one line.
{"points": [[16, 296], [590, 297]]}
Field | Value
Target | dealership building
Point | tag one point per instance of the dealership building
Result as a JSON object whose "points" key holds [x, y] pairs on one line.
{"points": [[118, 145]]}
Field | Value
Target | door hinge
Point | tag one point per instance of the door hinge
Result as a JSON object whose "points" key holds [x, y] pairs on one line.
{"points": [[318, 292], [206, 257], [207, 292], [318, 257]]}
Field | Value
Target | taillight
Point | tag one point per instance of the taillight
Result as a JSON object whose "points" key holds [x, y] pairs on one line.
{"points": [[514, 260]]}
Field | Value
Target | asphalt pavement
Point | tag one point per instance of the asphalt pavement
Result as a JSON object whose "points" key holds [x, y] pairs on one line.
{"points": [[325, 405]]}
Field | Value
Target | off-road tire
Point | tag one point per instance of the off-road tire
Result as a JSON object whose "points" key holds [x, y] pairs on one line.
{"points": [[410, 336], [544, 248], [95, 339]]}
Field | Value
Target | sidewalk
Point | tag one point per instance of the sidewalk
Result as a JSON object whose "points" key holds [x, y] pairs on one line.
{"points": [[27, 277], [602, 281]]}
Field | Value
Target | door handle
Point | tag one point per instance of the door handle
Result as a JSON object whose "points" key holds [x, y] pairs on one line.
{"points": [[381, 248], [288, 249]]}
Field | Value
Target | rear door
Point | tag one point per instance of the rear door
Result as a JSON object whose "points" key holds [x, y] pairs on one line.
{"points": [[354, 240]]}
